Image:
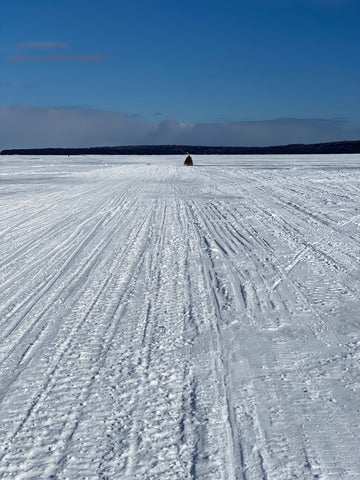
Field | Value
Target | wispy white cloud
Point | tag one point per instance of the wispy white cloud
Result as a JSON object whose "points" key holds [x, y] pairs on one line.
{"points": [[29, 127], [88, 58], [43, 45]]}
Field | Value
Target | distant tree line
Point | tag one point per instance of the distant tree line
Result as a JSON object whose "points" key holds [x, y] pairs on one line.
{"points": [[298, 149]]}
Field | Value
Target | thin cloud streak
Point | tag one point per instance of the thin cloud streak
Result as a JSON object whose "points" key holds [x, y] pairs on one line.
{"points": [[43, 45], [88, 58], [29, 127]]}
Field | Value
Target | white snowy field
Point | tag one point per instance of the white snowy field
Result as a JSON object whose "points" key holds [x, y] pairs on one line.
{"points": [[167, 322]]}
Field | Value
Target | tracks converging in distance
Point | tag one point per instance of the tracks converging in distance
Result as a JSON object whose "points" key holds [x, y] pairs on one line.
{"points": [[164, 322]]}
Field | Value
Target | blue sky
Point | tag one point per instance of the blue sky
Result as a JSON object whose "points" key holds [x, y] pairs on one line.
{"points": [[260, 72]]}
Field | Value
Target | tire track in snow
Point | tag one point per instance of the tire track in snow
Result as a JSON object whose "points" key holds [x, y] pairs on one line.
{"points": [[233, 456], [292, 354], [41, 398], [162, 304], [176, 354], [67, 263], [150, 391]]}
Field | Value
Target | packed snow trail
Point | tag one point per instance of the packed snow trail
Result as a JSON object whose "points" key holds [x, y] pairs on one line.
{"points": [[167, 322]]}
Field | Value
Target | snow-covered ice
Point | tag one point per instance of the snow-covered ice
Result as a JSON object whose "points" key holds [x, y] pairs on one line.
{"points": [[167, 322]]}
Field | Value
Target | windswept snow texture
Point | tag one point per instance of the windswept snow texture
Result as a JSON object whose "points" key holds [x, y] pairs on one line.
{"points": [[168, 322]]}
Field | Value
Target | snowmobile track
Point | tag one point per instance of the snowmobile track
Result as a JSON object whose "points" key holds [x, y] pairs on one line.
{"points": [[163, 322]]}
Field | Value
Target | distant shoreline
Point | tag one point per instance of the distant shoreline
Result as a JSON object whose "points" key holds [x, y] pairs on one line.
{"points": [[343, 147]]}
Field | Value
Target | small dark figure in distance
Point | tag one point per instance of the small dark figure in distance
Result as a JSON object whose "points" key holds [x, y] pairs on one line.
{"points": [[188, 161]]}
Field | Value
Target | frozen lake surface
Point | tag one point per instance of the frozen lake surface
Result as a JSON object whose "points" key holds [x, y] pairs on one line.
{"points": [[167, 322]]}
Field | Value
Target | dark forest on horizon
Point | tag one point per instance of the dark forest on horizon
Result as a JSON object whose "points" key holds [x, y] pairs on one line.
{"points": [[315, 148]]}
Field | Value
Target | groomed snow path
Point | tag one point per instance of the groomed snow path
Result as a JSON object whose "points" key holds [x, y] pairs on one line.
{"points": [[167, 322]]}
